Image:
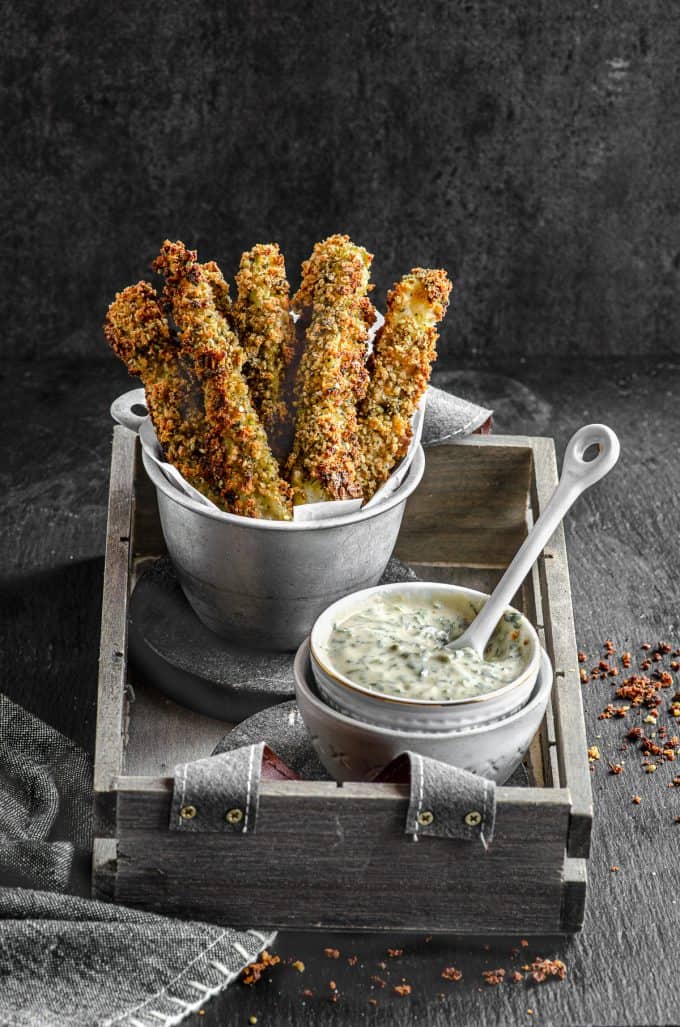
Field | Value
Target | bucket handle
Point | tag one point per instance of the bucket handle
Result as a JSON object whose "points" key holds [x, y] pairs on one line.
{"points": [[122, 409]]}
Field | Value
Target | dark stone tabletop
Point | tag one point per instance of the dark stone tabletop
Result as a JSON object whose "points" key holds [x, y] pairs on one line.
{"points": [[622, 543]]}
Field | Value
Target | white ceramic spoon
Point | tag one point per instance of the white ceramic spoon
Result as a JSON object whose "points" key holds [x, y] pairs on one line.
{"points": [[577, 475]]}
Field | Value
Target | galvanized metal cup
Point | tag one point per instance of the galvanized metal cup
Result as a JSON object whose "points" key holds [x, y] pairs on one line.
{"points": [[263, 583]]}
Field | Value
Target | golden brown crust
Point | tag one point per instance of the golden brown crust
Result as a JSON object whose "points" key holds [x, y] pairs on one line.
{"points": [[400, 366], [265, 329], [220, 289], [332, 373], [138, 333], [241, 462]]}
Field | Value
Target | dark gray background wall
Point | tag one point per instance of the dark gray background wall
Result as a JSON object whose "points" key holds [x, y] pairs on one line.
{"points": [[532, 148]]}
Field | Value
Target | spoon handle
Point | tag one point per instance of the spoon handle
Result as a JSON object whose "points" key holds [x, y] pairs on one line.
{"points": [[577, 475]]}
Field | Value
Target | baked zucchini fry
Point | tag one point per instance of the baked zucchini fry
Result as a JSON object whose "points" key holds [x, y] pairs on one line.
{"points": [[241, 462], [332, 373], [399, 369], [220, 289], [265, 329], [138, 333]]}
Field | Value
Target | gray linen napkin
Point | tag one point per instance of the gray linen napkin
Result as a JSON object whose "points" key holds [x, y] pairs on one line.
{"points": [[68, 961]]}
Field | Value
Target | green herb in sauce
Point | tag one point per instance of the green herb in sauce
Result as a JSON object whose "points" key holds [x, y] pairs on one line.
{"points": [[396, 643]]}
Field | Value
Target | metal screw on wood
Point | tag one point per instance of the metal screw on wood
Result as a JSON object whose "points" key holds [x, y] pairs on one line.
{"points": [[473, 818], [425, 818], [234, 816], [188, 812]]}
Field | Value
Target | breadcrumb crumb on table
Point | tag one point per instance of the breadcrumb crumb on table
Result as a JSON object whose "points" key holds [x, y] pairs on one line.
{"points": [[451, 973]]}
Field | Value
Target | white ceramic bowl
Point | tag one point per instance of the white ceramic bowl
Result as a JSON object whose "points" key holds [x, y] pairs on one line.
{"points": [[354, 751], [392, 711]]}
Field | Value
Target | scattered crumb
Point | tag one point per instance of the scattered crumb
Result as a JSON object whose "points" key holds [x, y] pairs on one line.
{"points": [[252, 973], [299, 966], [637, 799], [494, 976], [541, 969], [451, 973], [332, 953], [402, 989], [614, 869], [394, 953]]}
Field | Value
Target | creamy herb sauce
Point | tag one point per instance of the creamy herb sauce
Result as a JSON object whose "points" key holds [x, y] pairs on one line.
{"points": [[397, 644]]}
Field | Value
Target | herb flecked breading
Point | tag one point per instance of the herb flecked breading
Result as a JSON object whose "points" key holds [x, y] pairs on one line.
{"points": [[243, 468], [332, 375], [399, 368]]}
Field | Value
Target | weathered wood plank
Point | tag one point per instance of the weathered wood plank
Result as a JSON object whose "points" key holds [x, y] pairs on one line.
{"points": [[113, 639], [561, 641], [356, 869], [575, 879], [545, 739], [104, 866], [185, 735], [470, 507]]}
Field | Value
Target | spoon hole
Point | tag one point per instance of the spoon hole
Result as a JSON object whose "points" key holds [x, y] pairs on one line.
{"points": [[139, 410], [591, 452]]}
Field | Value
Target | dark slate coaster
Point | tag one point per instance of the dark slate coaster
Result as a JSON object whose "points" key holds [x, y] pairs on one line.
{"points": [[283, 730], [185, 660]]}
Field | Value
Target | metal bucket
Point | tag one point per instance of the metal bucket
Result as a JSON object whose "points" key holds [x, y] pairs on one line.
{"points": [[263, 583]]}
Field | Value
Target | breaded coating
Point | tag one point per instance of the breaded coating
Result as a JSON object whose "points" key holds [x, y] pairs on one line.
{"points": [[265, 329], [241, 462], [138, 333], [332, 373], [220, 289], [399, 368]]}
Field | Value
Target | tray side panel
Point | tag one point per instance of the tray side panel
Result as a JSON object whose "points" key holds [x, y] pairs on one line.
{"points": [[113, 637], [560, 637], [338, 858], [465, 488]]}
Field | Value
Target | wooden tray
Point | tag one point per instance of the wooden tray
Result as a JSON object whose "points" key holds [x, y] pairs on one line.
{"points": [[336, 857]]}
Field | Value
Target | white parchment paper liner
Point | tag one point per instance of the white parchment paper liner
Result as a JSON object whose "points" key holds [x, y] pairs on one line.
{"points": [[303, 512]]}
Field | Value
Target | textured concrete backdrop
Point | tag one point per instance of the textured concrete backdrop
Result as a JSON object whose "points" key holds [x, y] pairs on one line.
{"points": [[531, 148]]}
